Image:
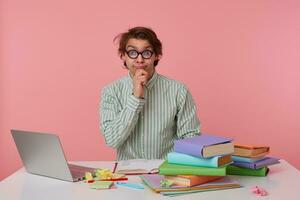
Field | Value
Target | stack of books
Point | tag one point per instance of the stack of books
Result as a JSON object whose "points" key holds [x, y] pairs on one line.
{"points": [[250, 160], [197, 164]]}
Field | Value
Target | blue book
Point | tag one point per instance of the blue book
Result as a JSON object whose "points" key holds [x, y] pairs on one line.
{"points": [[246, 159], [204, 146], [184, 159], [259, 164]]}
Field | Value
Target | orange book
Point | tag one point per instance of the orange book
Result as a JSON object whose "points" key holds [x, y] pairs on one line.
{"points": [[250, 151], [191, 180]]}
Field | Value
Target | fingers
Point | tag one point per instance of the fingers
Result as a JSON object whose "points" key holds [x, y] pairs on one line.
{"points": [[140, 80], [141, 76], [141, 72]]}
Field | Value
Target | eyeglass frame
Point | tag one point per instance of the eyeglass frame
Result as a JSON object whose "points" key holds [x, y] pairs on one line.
{"points": [[138, 53]]}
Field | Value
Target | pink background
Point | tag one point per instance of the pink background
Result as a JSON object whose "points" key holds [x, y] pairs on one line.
{"points": [[240, 60]]}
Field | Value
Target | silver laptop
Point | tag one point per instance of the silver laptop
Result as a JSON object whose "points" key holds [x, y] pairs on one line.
{"points": [[42, 154]]}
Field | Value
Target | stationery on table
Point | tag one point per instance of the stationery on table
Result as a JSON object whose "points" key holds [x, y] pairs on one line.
{"points": [[114, 179], [204, 146], [131, 185], [259, 191], [137, 166], [173, 169], [153, 181], [184, 159], [242, 171], [251, 151], [103, 175], [258, 164], [251, 160], [101, 185], [178, 193], [191, 180], [197, 164], [246, 159]]}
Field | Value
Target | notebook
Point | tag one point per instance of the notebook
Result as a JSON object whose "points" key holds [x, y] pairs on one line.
{"points": [[137, 166], [153, 181]]}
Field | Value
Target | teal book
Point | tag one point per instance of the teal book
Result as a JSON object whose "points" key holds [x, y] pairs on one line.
{"points": [[184, 159], [173, 169], [234, 170]]}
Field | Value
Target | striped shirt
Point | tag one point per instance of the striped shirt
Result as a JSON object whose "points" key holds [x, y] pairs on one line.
{"points": [[146, 128]]}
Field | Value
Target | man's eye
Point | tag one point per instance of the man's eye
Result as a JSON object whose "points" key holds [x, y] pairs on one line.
{"points": [[132, 53], [147, 53]]}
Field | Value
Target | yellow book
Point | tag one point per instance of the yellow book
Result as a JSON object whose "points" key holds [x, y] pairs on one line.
{"points": [[191, 180]]}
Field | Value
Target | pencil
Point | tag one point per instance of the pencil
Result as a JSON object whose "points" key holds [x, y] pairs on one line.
{"points": [[115, 167]]}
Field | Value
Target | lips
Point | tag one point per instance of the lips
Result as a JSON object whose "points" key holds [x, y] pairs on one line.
{"points": [[140, 66]]}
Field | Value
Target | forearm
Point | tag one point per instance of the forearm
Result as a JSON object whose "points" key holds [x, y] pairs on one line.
{"points": [[117, 127], [188, 124]]}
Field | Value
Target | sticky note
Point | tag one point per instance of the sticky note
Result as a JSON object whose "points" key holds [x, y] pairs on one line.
{"points": [[88, 176], [166, 183], [130, 185], [115, 175], [101, 185], [104, 174]]}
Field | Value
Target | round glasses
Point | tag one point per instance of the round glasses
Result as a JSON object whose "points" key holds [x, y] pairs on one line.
{"points": [[133, 54]]}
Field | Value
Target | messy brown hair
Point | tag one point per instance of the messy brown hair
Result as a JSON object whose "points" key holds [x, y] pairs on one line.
{"points": [[142, 33]]}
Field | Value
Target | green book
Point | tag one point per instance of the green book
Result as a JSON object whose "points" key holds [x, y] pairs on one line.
{"points": [[234, 170], [173, 169]]}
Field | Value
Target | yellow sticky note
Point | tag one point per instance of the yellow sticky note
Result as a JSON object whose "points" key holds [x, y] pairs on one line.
{"points": [[88, 176], [104, 174]]}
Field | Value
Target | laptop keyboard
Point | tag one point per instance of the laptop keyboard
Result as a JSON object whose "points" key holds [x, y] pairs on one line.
{"points": [[79, 171]]}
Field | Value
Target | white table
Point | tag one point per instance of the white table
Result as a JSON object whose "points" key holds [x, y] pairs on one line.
{"points": [[283, 182]]}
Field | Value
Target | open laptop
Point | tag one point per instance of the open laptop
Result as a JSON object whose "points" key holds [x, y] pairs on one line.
{"points": [[42, 154]]}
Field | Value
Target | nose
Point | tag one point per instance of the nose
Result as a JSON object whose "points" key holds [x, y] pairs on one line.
{"points": [[140, 59]]}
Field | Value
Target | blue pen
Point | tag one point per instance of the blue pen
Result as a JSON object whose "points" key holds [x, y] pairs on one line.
{"points": [[130, 185]]}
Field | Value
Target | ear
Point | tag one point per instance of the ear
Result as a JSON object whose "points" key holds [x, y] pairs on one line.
{"points": [[158, 57], [122, 56]]}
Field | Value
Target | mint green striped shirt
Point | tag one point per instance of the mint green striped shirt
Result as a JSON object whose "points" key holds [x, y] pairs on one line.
{"points": [[146, 128]]}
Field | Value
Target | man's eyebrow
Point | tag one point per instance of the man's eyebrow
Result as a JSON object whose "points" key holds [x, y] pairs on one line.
{"points": [[136, 47], [131, 46]]}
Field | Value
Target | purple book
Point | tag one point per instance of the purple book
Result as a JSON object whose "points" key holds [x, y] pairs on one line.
{"points": [[195, 145], [154, 182], [258, 164]]}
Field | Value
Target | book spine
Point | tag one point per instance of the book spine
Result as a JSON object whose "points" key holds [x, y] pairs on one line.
{"points": [[245, 159], [200, 171], [243, 164], [259, 164], [234, 170], [187, 148], [184, 159]]}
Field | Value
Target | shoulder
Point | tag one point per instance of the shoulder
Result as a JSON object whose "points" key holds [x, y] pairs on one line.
{"points": [[171, 83], [117, 85]]}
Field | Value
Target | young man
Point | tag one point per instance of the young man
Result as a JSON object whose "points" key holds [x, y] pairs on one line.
{"points": [[143, 113]]}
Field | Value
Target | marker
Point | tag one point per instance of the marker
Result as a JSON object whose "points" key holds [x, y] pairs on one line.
{"points": [[116, 179], [130, 185]]}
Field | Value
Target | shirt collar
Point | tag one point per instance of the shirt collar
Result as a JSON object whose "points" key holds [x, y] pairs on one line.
{"points": [[152, 81]]}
